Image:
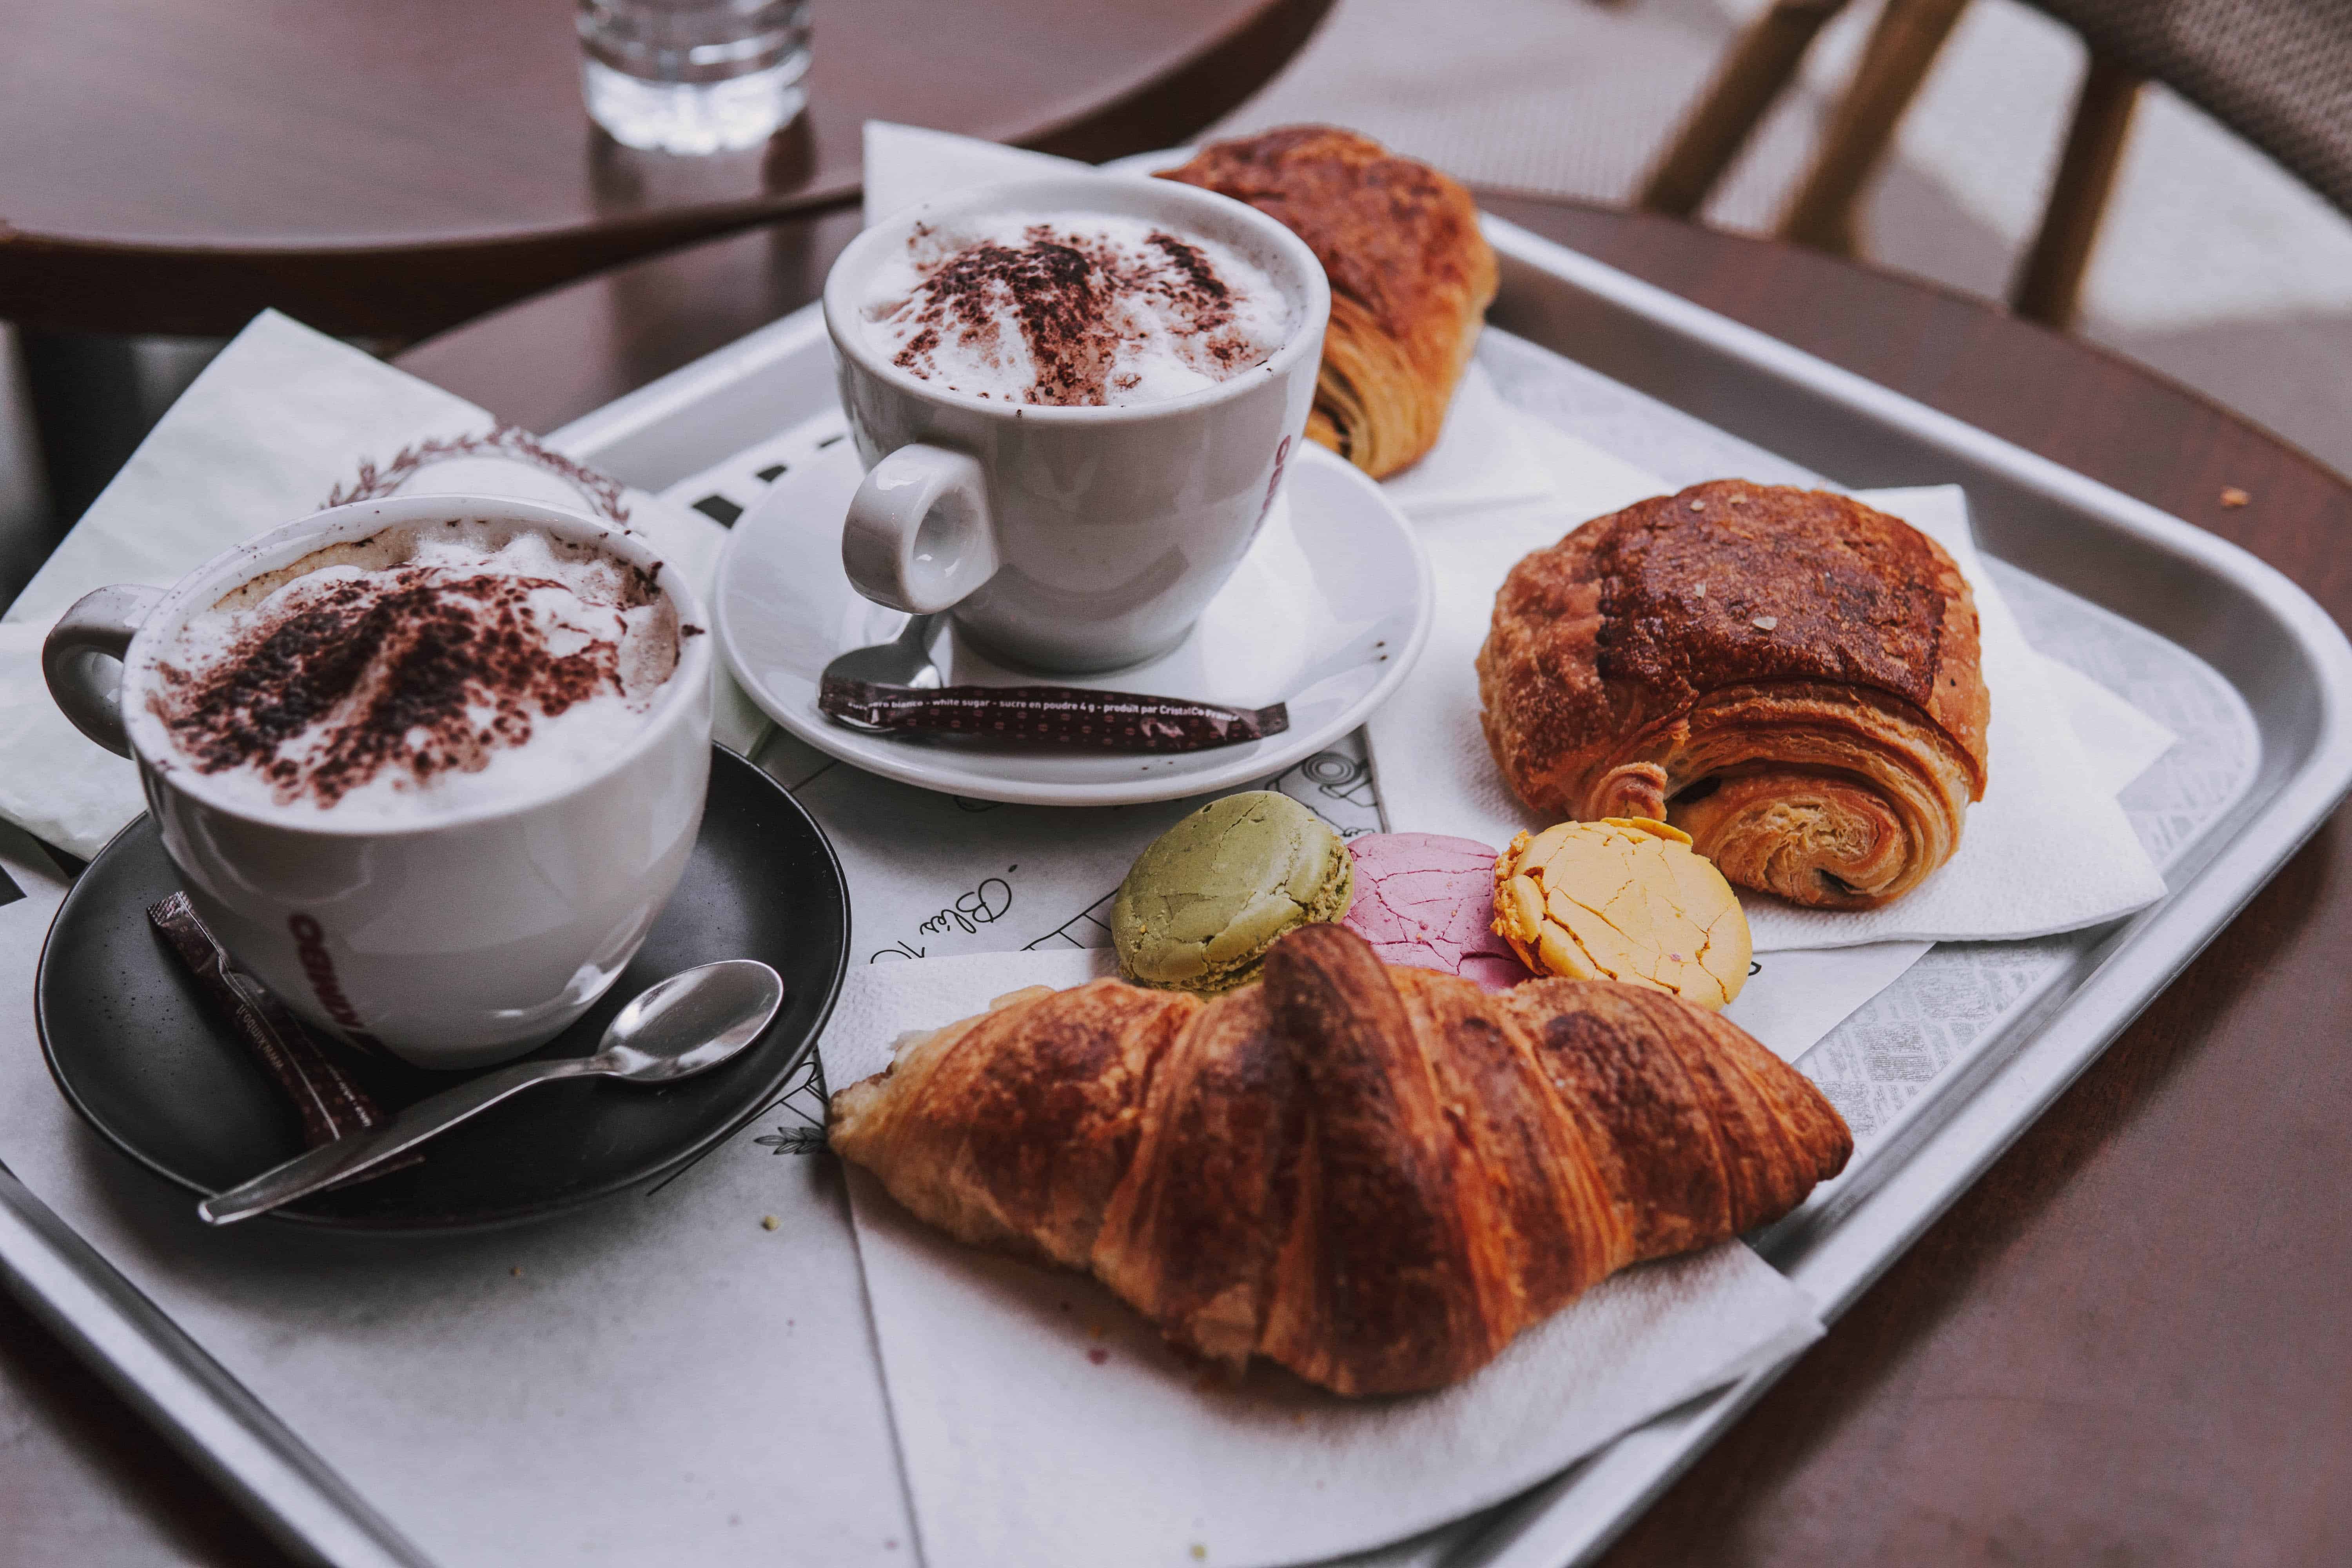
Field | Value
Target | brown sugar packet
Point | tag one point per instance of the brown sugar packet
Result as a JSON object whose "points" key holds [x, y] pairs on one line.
{"points": [[331, 1104], [1069, 716]]}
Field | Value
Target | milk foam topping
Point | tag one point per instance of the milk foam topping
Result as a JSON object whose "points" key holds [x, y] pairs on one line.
{"points": [[425, 670], [1072, 308]]}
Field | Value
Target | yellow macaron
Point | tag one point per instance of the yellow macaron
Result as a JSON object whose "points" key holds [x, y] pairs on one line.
{"points": [[1622, 898]]}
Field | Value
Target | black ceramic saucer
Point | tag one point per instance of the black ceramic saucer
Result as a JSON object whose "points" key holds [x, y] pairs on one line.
{"points": [[137, 1050]]}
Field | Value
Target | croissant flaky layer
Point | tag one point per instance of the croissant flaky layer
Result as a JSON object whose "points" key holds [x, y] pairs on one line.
{"points": [[1376, 1177], [1787, 676], [1411, 274]]}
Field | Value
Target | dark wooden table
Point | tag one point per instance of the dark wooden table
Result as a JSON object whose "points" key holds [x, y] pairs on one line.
{"points": [[386, 168], [2129, 1342]]}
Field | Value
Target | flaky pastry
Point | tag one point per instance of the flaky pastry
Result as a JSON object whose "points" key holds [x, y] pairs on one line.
{"points": [[1377, 1177], [1410, 279], [1787, 676]]}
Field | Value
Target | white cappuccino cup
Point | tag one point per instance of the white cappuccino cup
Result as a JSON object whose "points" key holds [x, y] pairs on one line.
{"points": [[1063, 536], [451, 938]]}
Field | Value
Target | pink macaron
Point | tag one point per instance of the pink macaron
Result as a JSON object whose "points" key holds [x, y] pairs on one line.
{"points": [[1427, 901]]}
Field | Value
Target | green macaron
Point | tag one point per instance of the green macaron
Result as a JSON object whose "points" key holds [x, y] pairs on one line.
{"points": [[1201, 905]]}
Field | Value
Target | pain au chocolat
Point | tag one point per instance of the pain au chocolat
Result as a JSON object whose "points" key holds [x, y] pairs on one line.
{"points": [[1786, 675], [1410, 279]]}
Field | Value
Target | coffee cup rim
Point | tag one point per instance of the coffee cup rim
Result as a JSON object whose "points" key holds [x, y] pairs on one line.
{"points": [[842, 313], [288, 542]]}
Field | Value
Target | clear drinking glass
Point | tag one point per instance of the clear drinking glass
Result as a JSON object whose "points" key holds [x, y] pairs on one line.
{"points": [[694, 75]]}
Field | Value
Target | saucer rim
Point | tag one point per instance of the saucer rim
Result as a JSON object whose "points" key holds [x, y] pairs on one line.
{"points": [[905, 761]]}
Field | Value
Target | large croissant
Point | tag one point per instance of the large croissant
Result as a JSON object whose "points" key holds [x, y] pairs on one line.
{"points": [[1787, 676], [1376, 1177], [1412, 276]]}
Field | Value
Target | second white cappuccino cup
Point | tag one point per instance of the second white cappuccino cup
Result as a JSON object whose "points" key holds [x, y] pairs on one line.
{"points": [[452, 940], [1069, 538]]}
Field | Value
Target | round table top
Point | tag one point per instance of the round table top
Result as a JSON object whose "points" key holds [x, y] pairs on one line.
{"points": [[2161, 1254], [388, 167]]}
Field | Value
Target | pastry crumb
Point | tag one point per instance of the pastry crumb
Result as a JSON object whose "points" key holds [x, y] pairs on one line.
{"points": [[1099, 1355], [2231, 496], [518, 1271], [1200, 1553], [769, 1222]]}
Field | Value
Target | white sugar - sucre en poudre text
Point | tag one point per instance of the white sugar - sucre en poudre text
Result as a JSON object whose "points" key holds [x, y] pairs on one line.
{"points": [[422, 671], [1072, 308]]}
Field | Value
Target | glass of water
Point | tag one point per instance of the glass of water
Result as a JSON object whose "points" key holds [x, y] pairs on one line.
{"points": [[694, 75]]}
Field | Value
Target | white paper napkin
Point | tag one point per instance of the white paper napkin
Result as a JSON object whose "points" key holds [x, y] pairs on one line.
{"points": [[2120, 742], [909, 163], [283, 422], [1482, 460], [1042, 1421], [1793, 998], [2046, 850]]}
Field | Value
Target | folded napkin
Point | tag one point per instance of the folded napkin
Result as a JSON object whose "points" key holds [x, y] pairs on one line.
{"points": [[2118, 741], [907, 163], [1043, 1422], [2046, 850], [284, 421], [1482, 461]]}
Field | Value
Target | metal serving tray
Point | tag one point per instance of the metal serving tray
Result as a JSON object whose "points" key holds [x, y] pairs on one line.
{"points": [[2279, 653]]}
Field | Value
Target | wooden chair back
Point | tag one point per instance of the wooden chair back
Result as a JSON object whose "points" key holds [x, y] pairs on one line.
{"points": [[2277, 72]]}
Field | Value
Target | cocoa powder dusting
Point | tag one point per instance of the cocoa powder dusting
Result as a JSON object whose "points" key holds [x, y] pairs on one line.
{"points": [[421, 669], [1073, 297]]}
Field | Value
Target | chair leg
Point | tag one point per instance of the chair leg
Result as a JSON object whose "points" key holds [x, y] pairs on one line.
{"points": [[1900, 49], [2049, 286], [1752, 77]]}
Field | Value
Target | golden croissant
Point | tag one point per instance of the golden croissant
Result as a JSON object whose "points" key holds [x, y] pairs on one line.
{"points": [[1787, 676], [1376, 1177], [1411, 274]]}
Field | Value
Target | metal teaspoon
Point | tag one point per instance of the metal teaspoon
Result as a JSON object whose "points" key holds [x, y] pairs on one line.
{"points": [[904, 660], [675, 1028]]}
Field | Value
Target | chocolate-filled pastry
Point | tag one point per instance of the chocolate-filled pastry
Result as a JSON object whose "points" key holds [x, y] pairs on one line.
{"points": [[1787, 676], [1374, 1177], [1410, 279]]}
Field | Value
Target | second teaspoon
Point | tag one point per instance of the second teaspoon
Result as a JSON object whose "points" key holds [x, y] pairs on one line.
{"points": [[685, 1025]]}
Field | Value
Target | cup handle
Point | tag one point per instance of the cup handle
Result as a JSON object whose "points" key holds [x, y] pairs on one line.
{"points": [[919, 536], [99, 626]]}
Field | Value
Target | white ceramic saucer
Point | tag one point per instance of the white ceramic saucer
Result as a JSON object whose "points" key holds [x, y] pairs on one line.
{"points": [[1327, 613]]}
